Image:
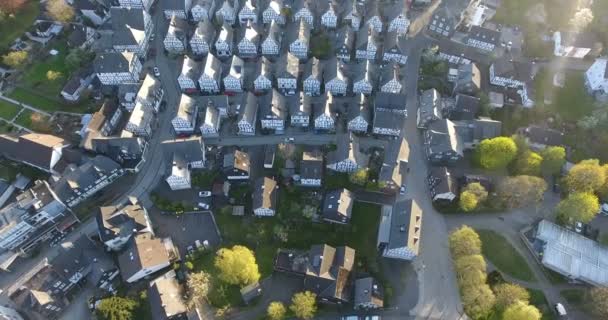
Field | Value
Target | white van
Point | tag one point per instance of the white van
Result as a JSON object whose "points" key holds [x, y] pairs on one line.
{"points": [[561, 311]]}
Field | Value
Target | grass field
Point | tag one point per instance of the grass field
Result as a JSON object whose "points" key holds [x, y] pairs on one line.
{"points": [[47, 104], [538, 299], [14, 27], [35, 76], [8, 110], [34, 121], [504, 257]]}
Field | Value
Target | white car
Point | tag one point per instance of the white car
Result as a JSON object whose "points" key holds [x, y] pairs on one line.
{"points": [[402, 189], [561, 311], [156, 72], [203, 206], [578, 227], [204, 194], [290, 140], [604, 209]]}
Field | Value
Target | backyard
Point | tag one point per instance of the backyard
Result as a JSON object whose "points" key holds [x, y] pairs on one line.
{"points": [[34, 121], [8, 110], [13, 27], [504, 257]]}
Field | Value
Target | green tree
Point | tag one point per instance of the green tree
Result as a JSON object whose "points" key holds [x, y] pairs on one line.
{"points": [[464, 241], [470, 271], [199, 285], [586, 176], [116, 308], [52, 75], [478, 301], [320, 46], [359, 177], [598, 302], [521, 310], [276, 311], [554, 159], [304, 305], [77, 58], [528, 163], [60, 11], [520, 191], [237, 265], [280, 232], [468, 201], [470, 262], [508, 294], [579, 206], [15, 59], [496, 153]]}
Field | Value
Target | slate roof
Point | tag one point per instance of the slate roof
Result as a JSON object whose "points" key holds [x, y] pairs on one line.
{"points": [[249, 109], [328, 271], [484, 35], [465, 108], [368, 291], [122, 20], [348, 148], [443, 181], [32, 148], [191, 149], [405, 226], [114, 62], [504, 67], [311, 166], [237, 159], [338, 205], [114, 221], [165, 297], [191, 68], [542, 135], [206, 31], [443, 137]]}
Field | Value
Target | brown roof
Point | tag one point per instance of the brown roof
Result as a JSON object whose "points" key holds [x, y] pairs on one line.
{"points": [[32, 148]]}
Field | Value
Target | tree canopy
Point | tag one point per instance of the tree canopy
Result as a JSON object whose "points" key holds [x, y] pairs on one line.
{"points": [[471, 196], [520, 310], [237, 265], [554, 159], [497, 153], [116, 308], [520, 191], [304, 304], [359, 177], [508, 293], [586, 176], [478, 301], [579, 206], [276, 311], [52, 75], [198, 284], [464, 241], [15, 59], [60, 11], [529, 163]]}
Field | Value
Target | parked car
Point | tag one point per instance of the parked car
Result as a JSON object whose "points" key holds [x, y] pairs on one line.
{"points": [[561, 311], [402, 189], [203, 206], [152, 36], [604, 209], [204, 194], [578, 227], [290, 140], [156, 72]]}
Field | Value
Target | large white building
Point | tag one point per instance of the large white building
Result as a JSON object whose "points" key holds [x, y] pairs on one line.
{"points": [[400, 230], [145, 255]]}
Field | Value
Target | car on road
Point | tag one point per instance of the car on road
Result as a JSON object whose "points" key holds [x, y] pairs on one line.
{"points": [[561, 311], [290, 140], [203, 206], [578, 227], [204, 194], [604, 209], [402, 189], [152, 36], [156, 71]]}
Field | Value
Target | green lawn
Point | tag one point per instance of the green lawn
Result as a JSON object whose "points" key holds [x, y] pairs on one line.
{"points": [[13, 27], [8, 110], [34, 121], [48, 104], [35, 75], [503, 256]]}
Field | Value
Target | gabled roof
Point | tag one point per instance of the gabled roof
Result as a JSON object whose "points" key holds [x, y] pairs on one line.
{"points": [[178, 26], [328, 271], [347, 147], [213, 67], [278, 105], [186, 108], [237, 159], [361, 109], [249, 109], [303, 106], [237, 67], [338, 205], [313, 68], [205, 30], [443, 181], [406, 222], [367, 291], [190, 149], [114, 62], [465, 108], [128, 25], [391, 43], [287, 66], [522, 71], [443, 137], [543, 135], [484, 35], [265, 193], [165, 296], [226, 34], [142, 251], [311, 166], [40, 150]]}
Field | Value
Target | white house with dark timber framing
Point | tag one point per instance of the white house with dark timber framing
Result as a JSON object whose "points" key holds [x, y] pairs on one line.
{"points": [[271, 46], [301, 111], [324, 119], [202, 10], [210, 79], [233, 82], [210, 124], [304, 12], [353, 17], [347, 157], [263, 76], [131, 28], [329, 18], [140, 121], [223, 44], [287, 73], [372, 16], [247, 115], [313, 77], [300, 46], [185, 119], [247, 46], [392, 51], [359, 115], [273, 115], [390, 78], [226, 13], [249, 13], [188, 77], [311, 169], [367, 44], [274, 12], [364, 81], [151, 93], [236, 165], [115, 68], [178, 8], [346, 45], [202, 38], [336, 80], [396, 17], [399, 232], [175, 40]]}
